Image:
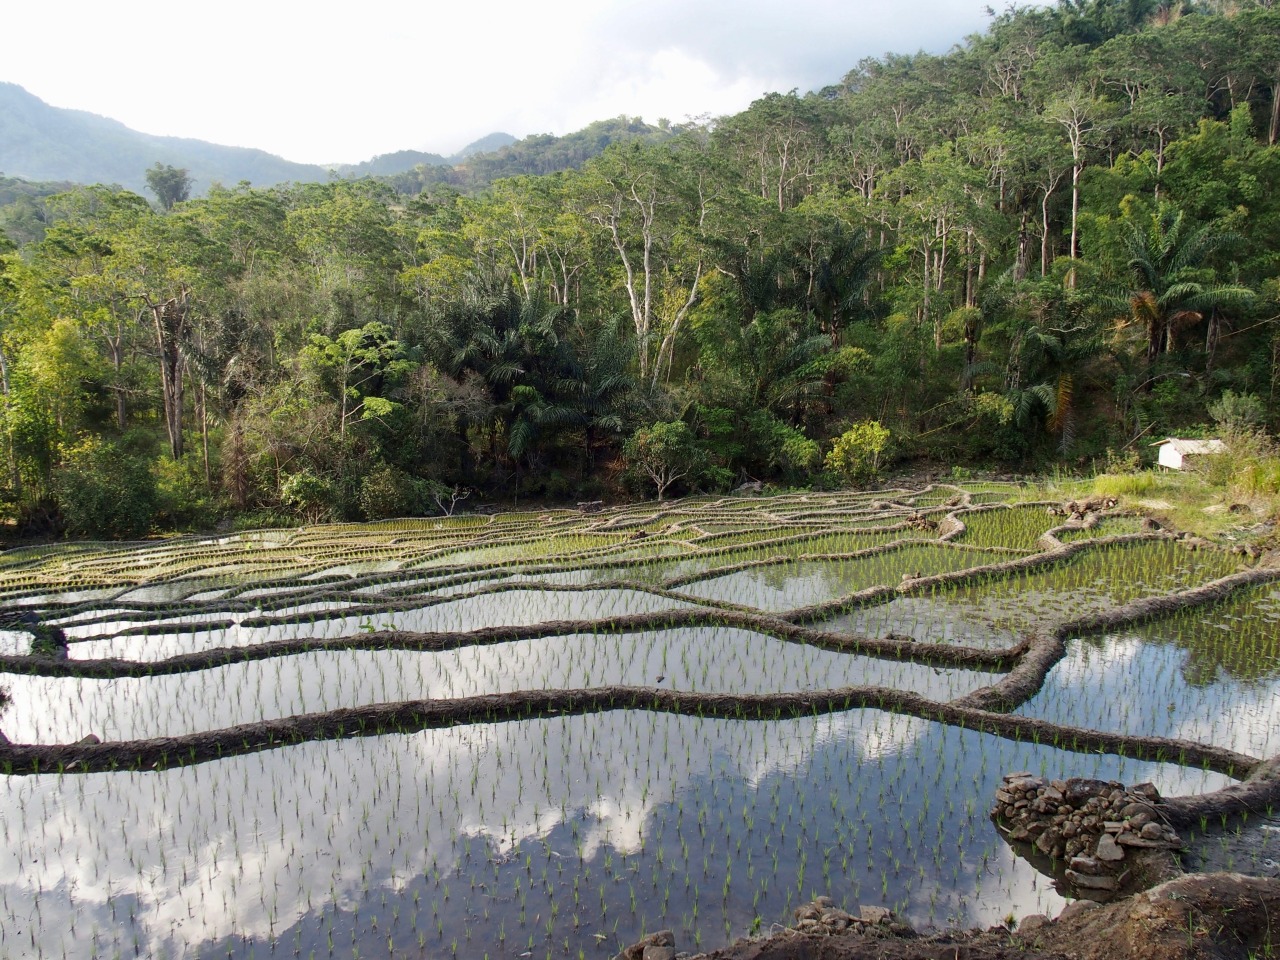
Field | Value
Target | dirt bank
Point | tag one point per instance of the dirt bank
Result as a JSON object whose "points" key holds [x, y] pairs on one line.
{"points": [[1216, 916]]}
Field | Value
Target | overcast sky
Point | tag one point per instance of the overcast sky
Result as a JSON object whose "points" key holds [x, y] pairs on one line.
{"points": [[321, 83]]}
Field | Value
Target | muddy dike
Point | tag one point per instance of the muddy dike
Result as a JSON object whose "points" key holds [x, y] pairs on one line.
{"points": [[1213, 916]]}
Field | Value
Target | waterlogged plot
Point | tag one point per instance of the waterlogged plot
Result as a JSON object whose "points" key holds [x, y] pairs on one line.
{"points": [[1094, 579], [518, 606], [925, 619], [546, 733], [707, 659], [1212, 676], [519, 837], [787, 586], [1017, 528]]}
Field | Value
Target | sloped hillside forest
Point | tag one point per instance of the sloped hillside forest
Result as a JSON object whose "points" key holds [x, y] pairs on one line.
{"points": [[1047, 247]]}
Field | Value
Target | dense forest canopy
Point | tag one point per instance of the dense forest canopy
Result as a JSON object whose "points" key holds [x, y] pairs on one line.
{"points": [[1058, 239]]}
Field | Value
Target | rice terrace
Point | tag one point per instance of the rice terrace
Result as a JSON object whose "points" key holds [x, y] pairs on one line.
{"points": [[548, 734]]}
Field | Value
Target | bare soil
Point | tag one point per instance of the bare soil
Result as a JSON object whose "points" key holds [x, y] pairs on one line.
{"points": [[1216, 916]]}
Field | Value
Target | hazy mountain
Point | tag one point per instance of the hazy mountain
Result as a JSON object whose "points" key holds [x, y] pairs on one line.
{"points": [[386, 164], [40, 142], [494, 141], [43, 143]]}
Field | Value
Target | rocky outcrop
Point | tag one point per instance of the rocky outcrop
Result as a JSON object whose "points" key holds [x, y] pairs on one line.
{"points": [[656, 946], [822, 916], [1097, 829]]}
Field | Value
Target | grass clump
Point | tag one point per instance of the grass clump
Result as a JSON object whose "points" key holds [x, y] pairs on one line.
{"points": [[1144, 484]]}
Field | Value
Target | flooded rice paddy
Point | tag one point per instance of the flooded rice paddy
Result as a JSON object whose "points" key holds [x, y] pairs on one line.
{"points": [[308, 743]]}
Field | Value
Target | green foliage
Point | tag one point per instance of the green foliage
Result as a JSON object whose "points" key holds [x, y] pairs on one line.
{"points": [[313, 498], [664, 453], [1235, 412], [171, 185], [103, 491], [857, 452], [387, 492], [184, 499], [1075, 252], [781, 448], [1249, 467]]}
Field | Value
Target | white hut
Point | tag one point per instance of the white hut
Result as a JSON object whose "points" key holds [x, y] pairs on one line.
{"points": [[1174, 453]]}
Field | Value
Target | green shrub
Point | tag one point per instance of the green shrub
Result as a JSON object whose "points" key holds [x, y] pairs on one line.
{"points": [[313, 498], [664, 453], [103, 491], [387, 492], [183, 499], [1235, 412], [857, 452]]}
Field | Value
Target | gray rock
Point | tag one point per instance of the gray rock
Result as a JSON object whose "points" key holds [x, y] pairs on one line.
{"points": [[1048, 840], [1133, 840], [91, 738], [1085, 865], [1086, 882], [1152, 831], [654, 952], [1108, 850], [639, 949], [874, 915], [1080, 789]]}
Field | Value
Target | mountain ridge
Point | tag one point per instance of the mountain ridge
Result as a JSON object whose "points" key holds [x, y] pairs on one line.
{"points": [[40, 142]]}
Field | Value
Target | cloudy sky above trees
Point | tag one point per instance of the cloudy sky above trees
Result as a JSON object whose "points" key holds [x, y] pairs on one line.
{"points": [[383, 75]]}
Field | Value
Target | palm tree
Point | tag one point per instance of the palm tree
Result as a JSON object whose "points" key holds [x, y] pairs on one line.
{"points": [[1173, 286]]}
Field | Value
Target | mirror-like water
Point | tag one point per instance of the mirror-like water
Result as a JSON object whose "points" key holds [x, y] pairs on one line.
{"points": [[790, 585], [548, 836], [513, 608], [1210, 676], [711, 659], [571, 836]]}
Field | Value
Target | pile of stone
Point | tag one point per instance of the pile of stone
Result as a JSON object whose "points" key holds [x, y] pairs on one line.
{"points": [[656, 946], [822, 916], [1091, 825], [918, 521], [1077, 510]]}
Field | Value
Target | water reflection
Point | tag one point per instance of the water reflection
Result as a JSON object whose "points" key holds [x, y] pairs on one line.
{"points": [[525, 836], [708, 659]]}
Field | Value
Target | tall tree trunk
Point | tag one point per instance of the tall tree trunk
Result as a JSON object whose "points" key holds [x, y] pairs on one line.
{"points": [[15, 477], [204, 435], [1044, 233], [170, 322], [1024, 250], [1075, 217], [1273, 132]]}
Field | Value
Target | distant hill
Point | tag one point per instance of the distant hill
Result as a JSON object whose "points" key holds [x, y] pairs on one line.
{"points": [[538, 154], [43, 143], [494, 141], [386, 164], [40, 142]]}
